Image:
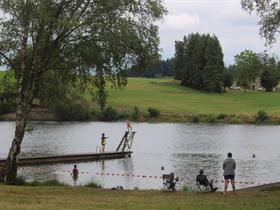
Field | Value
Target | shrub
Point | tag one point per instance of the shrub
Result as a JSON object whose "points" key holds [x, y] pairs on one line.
{"points": [[20, 181], [221, 116], [153, 112], [188, 189], [261, 117], [93, 185], [211, 119], [135, 113], [52, 182], [7, 107], [122, 115], [109, 114], [195, 119], [75, 110]]}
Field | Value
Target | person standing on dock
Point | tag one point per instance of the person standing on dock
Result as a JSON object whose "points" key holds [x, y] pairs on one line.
{"points": [[129, 126], [229, 166], [103, 142]]}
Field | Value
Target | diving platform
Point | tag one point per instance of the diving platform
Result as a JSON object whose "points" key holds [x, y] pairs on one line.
{"points": [[70, 158], [123, 151]]}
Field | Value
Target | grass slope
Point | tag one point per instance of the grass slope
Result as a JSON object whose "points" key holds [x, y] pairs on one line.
{"points": [[168, 95], [25, 198]]}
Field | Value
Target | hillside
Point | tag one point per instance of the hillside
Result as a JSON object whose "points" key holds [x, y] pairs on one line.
{"points": [[168, 95]]}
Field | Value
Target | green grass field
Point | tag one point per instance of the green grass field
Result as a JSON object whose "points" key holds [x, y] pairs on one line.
{"points": [[168, 95], [39, 198]]}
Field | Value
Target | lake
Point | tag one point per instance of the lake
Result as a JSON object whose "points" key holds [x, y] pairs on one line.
{"points": [[157, 148]]}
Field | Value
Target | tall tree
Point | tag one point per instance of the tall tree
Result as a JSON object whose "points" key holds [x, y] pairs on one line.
{"points": [[268, 11], [228, 76], [270, 78], [270, 71], [161, 68], [248, 68], [179, 59], [75, 38], [214, 68], [199, 62]]}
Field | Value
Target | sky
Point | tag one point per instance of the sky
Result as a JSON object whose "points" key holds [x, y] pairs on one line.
{"points": [[236, 29]]}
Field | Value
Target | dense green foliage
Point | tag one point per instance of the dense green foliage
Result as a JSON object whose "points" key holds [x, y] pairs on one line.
{"points": [[19, 181], [80, 38], [162, 68], [199, 62], [228, 77], [270, 78], [153, 112], [248, 68], [7, 107], [270, 71], [7, 82], [268, 11], [77, 39], [135, 113], [7, 90], [108, 114], [262, 117]]}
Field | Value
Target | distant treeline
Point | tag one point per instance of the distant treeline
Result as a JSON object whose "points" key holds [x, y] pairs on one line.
{"points": [[162, 68]]}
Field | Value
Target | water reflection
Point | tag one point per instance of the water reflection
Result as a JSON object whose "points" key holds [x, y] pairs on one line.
{"points": [[180, 148]]}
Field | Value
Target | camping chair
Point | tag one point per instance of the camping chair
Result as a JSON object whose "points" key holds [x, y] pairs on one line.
{"points": [[201, 187], [205, 187], [169, 182]]}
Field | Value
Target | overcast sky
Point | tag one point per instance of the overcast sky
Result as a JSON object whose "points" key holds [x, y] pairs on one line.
{"points": [[236, 29]]}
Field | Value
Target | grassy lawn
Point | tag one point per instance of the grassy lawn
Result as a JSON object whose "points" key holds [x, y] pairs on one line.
{"points": [[17, 197], [168, 96]]}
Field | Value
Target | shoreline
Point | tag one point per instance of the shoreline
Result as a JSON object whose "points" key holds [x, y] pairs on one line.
{"points": [[63, 197], [261, 118]]}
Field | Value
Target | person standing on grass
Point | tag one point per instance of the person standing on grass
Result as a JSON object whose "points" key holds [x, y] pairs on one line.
{"points": [[229, 166]]}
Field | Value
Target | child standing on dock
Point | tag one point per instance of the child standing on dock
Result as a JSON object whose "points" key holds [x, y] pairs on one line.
{"points": [[129, 126], [103, 142]]}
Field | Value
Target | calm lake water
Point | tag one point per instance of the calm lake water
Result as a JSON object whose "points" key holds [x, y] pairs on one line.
{"points": [[180, 148]]}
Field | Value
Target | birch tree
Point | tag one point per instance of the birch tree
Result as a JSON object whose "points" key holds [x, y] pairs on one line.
{"points": [[92, 40]]}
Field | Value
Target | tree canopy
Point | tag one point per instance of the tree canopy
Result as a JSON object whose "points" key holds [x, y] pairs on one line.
{"points": [[248, 68], [161, 68], [199, 62], [269, 12], [270, 71]]}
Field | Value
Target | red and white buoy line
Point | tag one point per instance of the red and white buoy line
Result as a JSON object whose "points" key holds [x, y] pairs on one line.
{"points": [[181, 179]]}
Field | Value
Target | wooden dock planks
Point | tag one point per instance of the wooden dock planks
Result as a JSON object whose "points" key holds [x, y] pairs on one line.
{"points": [[70, 158]]}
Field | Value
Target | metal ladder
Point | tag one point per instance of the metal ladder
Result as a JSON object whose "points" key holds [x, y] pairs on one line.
{"points": [[126, 142]]}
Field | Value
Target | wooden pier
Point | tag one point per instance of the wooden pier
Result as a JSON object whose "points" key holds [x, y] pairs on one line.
{"points": [[70, 158], [123, 150]]}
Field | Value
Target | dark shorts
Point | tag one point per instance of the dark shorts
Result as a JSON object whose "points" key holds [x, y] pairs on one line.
{"points": [[227, 177]]}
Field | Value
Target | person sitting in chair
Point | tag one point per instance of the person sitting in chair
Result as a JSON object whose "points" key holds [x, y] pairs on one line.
{"points": [[169, 181], [201, 179]]}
